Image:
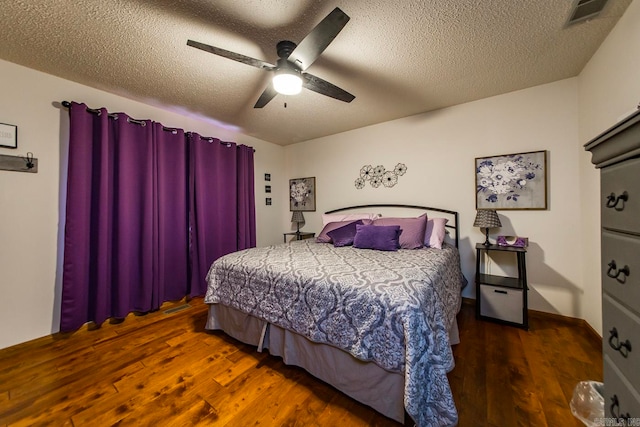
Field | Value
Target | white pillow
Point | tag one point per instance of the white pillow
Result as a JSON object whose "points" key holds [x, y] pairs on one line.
{"points": [[339, 217]]}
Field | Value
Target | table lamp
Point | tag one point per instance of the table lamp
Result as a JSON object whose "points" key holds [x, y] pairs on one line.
{"points": [[298, 218], [487, 218]]}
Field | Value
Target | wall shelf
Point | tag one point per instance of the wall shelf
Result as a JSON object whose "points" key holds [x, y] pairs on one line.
{"points": [[18, 164]]}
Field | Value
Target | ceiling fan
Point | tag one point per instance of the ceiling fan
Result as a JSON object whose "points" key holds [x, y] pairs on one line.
{"points": [[289, 73]]}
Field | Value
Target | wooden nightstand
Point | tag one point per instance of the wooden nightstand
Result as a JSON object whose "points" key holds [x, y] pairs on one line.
{"points": [[498, 298], [301, 235]]}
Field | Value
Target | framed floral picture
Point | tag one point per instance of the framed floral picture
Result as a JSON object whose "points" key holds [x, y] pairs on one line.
{"points": [[512, 181], [302, 194]]}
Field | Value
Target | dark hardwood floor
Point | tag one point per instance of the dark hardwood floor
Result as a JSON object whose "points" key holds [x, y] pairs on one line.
{"points": [[165, 370]]}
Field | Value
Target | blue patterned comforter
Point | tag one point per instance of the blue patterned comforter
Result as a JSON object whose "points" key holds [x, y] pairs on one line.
{"points": [[391, 308]]}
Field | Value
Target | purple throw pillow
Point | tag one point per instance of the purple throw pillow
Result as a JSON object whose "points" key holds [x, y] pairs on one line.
{"points": [[323, 237], [343, 236], [379, 237], [413, 230]]}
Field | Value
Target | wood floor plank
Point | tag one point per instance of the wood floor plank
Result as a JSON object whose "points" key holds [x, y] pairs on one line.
{"points": [[528, 407], [276, 412], [173, 379], [546, 379], [64, 402], [500, 351], [344, 412], [168, 404], [165, 369], [468, 377]]}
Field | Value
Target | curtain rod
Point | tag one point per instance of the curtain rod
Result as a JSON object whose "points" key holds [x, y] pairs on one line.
{"points": [[67, 104]]}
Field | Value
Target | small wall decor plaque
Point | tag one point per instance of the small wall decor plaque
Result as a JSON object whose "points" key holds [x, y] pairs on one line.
{"points": [[8, 136], [379, 176]]}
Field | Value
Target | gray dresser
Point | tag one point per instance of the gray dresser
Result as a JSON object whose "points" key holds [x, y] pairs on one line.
{"points": [[616, 152]]}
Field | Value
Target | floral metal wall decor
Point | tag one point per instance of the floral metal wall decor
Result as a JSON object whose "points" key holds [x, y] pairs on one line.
{"points": [[512, 181], [379, 176], [302, 194]]}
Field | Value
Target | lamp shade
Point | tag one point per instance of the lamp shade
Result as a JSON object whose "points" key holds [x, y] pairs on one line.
{"points": [[297, 217], [487, 218]]}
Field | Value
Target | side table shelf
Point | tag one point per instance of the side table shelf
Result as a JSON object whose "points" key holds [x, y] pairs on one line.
{"points": [[299, 235], [498, 298]]}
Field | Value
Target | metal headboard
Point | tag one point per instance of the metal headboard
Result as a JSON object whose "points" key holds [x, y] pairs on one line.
{"points": [[454, 214]]}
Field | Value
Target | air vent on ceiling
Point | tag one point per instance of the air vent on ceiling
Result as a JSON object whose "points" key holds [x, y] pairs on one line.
{"points": [[585, 9]]}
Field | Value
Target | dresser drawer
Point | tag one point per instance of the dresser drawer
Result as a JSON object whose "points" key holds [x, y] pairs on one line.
{"points": [[621, 266], [621, 338], [617, 180], [619, 390]]}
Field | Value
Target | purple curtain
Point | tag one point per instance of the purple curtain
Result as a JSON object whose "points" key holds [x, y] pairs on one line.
{"points": [[130, 187], [214, 204], [246, 198], [172, 221], [109, 241]]}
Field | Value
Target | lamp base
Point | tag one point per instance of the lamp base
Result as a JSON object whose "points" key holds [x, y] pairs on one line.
{"points": [[486, 237]]}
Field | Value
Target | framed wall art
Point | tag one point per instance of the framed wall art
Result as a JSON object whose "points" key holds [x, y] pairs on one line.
{"points": [[8, 136], [302, 194], [512, 181]]}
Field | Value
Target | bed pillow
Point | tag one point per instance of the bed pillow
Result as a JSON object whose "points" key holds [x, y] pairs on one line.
{"points": [[413, 230], [434, 235], [339, 217], [343, 236], [323, 237], [379, 237]]}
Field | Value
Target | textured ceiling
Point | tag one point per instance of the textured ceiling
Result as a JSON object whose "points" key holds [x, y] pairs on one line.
{"points": [[399, 58]]}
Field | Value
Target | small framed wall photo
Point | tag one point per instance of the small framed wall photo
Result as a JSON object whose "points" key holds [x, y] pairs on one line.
{"points": [[512, 181], [8, 136]]}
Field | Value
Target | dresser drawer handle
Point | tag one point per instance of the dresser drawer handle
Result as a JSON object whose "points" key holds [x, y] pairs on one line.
{"points": [[612, 200], [615, 410], [614, 273], [623, 347]]}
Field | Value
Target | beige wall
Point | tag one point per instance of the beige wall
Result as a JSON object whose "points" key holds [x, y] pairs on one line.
{"points": [[609, 89], [439, 149], [32, 205]]}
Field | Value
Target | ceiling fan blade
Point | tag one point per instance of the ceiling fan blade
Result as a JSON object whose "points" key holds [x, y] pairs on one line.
{"points": [[268, 94], [318, 39], [230, 55], [323, 87]]}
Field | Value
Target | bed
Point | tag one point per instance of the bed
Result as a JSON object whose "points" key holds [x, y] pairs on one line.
{"points": [[377, 325]]}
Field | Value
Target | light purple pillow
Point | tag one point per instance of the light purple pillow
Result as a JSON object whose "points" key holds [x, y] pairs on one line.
{"points": [[323, 237], [339, 217], [413, 230], [379, 237], [434, 235], [343, 236]]}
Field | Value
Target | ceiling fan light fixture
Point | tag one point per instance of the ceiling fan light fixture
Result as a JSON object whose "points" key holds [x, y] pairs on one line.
{"points": [[287, 82]]}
